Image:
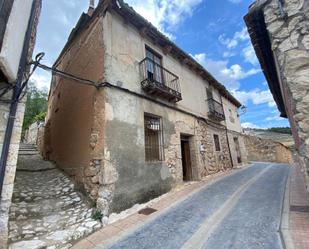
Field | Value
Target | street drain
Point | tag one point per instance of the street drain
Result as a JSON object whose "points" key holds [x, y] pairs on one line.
{"points": [[147, 211], [302, 209]]}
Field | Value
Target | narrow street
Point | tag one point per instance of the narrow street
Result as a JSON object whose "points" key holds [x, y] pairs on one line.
{"points": [[241, 210]]}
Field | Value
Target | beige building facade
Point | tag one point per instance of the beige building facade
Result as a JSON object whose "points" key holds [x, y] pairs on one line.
{"points": [[280, 35], [152, 118]]}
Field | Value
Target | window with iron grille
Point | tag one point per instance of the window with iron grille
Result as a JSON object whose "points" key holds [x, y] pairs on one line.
{"points": [[217, 142], [153, 138]]}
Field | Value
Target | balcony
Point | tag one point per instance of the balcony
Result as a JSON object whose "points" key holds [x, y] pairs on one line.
{"points": [[215, 110], [158, 81]]}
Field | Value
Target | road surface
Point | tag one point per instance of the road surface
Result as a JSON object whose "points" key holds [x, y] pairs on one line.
{"points": [[239, 211]]}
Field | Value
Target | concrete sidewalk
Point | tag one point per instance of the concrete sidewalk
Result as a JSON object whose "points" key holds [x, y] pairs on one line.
{"points": [[299, 210]]}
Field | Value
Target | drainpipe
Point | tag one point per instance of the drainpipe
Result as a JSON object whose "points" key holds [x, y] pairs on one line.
{"points": [[16, 93]]}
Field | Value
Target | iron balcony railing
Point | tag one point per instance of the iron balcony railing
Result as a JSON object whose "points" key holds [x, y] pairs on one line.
{"points": [[159, 81], [216, 109]]}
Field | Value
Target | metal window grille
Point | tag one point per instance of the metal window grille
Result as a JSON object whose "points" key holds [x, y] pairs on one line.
{"points": [[217, 142], [153, 139]]}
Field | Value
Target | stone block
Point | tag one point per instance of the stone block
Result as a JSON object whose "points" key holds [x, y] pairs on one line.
{"points": [[109, 174]]}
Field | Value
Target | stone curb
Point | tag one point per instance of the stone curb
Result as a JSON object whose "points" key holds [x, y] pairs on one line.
{"points": [[284, 230]]}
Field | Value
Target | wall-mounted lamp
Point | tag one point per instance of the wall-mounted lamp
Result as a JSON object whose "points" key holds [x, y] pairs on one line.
{"points": [[243, 110]]}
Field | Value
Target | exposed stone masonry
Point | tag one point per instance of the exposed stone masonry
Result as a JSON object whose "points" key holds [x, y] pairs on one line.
{"points": [[289, 35], [205, 162], [266, 150]]}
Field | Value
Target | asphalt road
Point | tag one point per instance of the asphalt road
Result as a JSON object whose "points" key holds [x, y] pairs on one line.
{"points": [[239, 211]]}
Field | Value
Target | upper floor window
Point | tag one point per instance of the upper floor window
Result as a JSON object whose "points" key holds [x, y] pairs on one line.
{"points": [[209, 93], [154, 65], [217, 142], [153, 138], [232, 119]]}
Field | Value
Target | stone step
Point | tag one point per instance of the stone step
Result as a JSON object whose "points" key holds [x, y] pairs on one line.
{"points": [[47, 211], [43, 208]]}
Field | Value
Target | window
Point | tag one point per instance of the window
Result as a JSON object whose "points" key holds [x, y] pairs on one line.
{"points": [[209, 93], [153, 138], [154, 65], [231, 116], [217, 142]]}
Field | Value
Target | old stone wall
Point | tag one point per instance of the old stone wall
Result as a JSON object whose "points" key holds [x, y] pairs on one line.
{"points": [[31, 134], [238, 148], [266, 150], [289, 34], [8, 184], [74, 131]]}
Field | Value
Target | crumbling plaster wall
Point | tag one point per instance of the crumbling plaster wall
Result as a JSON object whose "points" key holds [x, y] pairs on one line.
{"points": [[132, 179], [74, 127], [125, 49], [233, 125], [242, 148], [128, 178], [289, 35]]}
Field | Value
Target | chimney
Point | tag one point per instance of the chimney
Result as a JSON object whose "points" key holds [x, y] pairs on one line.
{"points": [[91, 7]]}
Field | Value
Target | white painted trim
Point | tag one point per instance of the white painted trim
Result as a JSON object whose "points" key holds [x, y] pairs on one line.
{"points": [[13, 40]]}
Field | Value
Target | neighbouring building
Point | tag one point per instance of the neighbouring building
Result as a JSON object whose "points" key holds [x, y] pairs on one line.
{"points": [[18, 22], [148, 118], [35, 135], [279, 32]]}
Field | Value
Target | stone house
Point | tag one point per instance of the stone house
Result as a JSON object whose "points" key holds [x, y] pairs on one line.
{"points": [[279, 32], [18, 22], [152, 118]]}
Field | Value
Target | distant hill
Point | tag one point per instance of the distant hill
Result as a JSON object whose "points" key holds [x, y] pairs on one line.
{"points": [[281, 135]]}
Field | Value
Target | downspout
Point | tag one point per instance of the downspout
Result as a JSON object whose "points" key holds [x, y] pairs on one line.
{"points": [[16, 93]]}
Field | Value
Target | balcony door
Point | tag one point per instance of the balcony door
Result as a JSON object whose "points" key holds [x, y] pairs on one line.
{"points": [[154, 66]]}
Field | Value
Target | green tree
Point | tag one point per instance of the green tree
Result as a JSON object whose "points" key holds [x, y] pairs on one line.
{"points": [[284, 130], [36, 105]]}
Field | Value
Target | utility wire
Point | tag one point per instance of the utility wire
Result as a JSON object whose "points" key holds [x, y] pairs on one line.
{"points": [[37, 63]]}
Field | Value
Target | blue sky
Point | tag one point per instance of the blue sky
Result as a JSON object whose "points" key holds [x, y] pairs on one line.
{"points": [[212, 31]]}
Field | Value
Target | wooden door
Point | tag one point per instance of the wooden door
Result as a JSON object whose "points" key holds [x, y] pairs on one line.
{"points": [[186, 160]]}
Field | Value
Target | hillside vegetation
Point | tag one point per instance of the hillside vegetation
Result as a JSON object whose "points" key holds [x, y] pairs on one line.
{"points": [[279, 134]]}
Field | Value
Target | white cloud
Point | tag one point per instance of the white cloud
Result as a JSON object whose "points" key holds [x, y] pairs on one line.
{"points": [[41, 79], [229, 76], [249, 55], [256, 96], [228, 54], [250, 125], [236, 72], [238, 36], [165, 14], [275, 118], [235, 1]]}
